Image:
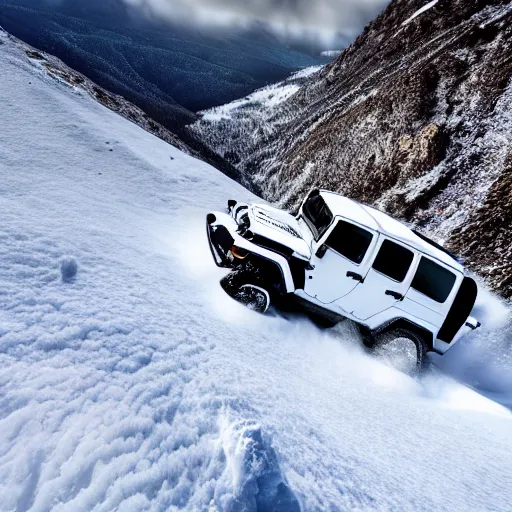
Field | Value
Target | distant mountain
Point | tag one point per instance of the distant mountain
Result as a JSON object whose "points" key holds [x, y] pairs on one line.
{"points": [[415, 117], [169, 72]]}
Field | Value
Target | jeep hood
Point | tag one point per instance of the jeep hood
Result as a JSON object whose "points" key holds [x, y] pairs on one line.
{"points": [[280, 227]]}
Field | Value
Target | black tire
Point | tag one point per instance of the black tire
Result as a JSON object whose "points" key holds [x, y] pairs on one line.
{"points": [[246, 285], [396, 346], [253, 297]]}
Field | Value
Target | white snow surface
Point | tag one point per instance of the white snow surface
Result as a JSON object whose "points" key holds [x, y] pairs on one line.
{"points": [[129, 381], [420, 11]]}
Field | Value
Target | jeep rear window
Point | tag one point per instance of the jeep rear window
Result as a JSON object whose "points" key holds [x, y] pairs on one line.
{"points": [[350, 241], [393, 260], [317, 215], [433, 280]]}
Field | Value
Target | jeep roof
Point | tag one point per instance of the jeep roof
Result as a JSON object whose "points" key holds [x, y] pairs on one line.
{"points": [[381, 222]]}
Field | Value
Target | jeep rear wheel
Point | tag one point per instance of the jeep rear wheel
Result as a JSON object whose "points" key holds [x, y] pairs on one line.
{"points": [[402, 349]]}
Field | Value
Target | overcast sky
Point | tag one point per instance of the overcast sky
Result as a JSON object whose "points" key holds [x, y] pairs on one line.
{"points": [[327, 21]]}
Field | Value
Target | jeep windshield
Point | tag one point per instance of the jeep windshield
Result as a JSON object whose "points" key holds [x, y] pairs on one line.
{"points": [[317, 215]]}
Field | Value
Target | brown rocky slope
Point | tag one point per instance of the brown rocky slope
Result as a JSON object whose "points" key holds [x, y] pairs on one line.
{"points": [[415, 117]]}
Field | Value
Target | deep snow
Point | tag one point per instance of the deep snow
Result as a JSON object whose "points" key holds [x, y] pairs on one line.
{"points": [[129, 381]]}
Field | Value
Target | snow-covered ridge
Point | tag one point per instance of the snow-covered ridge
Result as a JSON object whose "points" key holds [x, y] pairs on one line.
{"points": [[265, 99], [269, 97]]}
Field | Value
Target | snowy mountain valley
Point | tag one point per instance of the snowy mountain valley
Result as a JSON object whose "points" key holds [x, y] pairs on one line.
{"points": [[414, 117], [129, 381]]}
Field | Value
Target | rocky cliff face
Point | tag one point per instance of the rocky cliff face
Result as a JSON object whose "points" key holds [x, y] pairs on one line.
{"points": [[415, 117]]}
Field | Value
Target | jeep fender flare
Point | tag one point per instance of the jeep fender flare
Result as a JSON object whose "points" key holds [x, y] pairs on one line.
{"points": [[256, 252], [224, 219]]}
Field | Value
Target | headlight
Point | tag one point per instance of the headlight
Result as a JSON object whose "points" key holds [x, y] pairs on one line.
{"points": [[239, 253]]}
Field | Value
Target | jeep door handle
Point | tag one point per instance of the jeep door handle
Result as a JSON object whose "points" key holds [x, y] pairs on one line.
{"points": [[395, 295], [355, 276]]}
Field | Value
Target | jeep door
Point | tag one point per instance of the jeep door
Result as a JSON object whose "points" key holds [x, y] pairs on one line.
{"points": [[340, 261], [386, 282]]}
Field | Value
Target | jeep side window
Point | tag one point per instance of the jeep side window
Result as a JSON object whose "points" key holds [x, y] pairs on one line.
{"points": [[433, 280], [350, 241], [317, 215], [393, 260]]}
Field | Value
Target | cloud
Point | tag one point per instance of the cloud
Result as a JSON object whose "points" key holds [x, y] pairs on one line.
{"points": [[326, 21]]}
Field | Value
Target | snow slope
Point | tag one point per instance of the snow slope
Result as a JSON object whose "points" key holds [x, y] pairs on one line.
{"points": [[130, 382]]}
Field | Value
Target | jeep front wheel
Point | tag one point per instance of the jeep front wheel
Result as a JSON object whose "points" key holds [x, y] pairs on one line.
{"points": [[254, 297], [403, 349], [247, 287]]}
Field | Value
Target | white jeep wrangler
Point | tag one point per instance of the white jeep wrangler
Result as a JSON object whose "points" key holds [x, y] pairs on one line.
{"points": [[340, 259]]}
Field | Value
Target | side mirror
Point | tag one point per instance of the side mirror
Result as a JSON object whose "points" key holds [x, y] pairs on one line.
{"points": [[231, 204], [321, 251]]}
